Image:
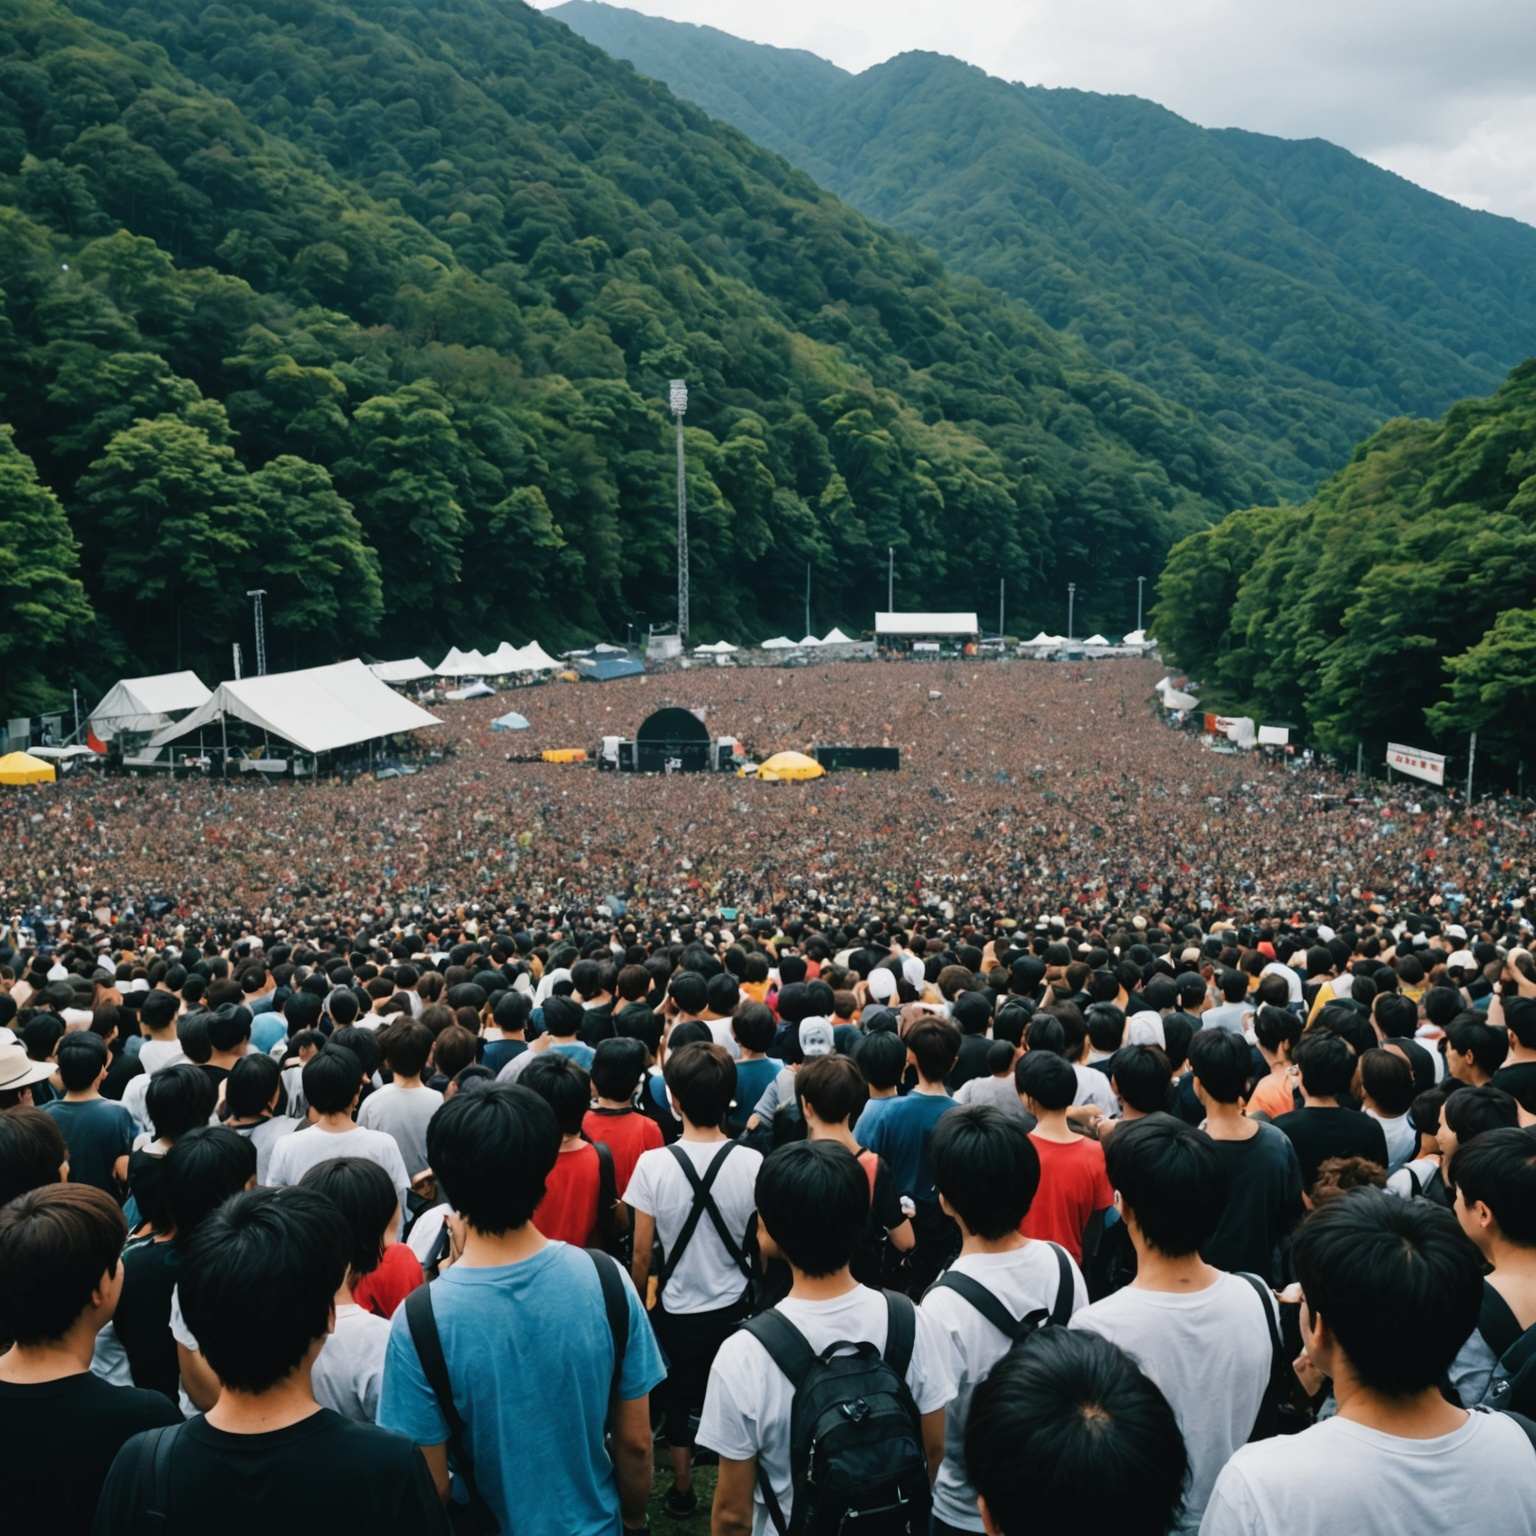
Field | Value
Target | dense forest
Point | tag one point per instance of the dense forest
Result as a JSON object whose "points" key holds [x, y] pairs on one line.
{"points": [[1398, 604], [376, 302], [1291, 294]]}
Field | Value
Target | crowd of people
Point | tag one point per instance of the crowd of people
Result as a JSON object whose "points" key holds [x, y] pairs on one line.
{"points": [[1100, 1129]]}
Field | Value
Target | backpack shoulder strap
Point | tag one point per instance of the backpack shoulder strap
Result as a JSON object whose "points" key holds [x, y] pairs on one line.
{"points": [[900, 1332], [1498, 1325], [607, 1188], [786, 1345], [1264, 1293], [1066, 1288], [152, 1476], [703, 1205], [974, 1292], [422, 1323], [616, 1305]]}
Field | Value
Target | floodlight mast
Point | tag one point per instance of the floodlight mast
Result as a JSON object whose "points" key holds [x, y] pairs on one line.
{"points": [[677, 400]]}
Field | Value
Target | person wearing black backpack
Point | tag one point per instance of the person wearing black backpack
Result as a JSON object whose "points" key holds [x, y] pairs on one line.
{"points": [[1003, 1286], [696, 1199], [1494, 1178], [827, 1411]]}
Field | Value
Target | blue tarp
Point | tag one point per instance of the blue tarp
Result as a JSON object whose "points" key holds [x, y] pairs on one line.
{"points": [[510, 722], [610, 667]]}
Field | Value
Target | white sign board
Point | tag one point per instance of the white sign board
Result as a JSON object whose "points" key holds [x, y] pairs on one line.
{"points": [[1274, 735], [1429, 766]]}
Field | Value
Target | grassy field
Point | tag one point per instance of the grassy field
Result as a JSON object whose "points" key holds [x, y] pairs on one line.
{"points": [[697, 1524]]}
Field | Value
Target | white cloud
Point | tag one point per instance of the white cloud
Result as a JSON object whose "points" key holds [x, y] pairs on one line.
{"points": [[1443, 93]]}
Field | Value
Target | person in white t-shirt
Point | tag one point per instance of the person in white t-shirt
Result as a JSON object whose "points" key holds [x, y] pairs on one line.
{"points": [[1206, 1338], [350, 1367], [701, 1294], [1390, 1289], [332, 1080], [161, 1049], [813, 1201], [987, 1171], [404, 1108]]}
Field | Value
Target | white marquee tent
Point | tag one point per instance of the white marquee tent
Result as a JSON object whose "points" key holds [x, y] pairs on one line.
{"points": [[534, 658], [459, 663], [412, 670], [138, 704], [780, 643], [836, 637], [809, 640], [316, 710], [719, 648], [959, 626]]}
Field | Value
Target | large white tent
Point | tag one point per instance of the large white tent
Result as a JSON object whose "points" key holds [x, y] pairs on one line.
{"points": [[836, 637], [534, 658], [316, 710], [719, 648], [459, 663], [412, 670], [780, 643], [139, 704], [925, 626]]}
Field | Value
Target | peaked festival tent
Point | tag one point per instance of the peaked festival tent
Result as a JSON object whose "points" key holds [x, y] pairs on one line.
{"points": [[788, 768], [836, 637], [719, 648], [411, 670], [23, 768], [317, 710], [1095, 640], [140, 704], [459, 663], [534, 658], [510, 722], [780, 643], [502, 660], [809, 640], [1136, 637]]}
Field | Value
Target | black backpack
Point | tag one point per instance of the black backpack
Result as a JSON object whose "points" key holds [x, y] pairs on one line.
{"points": [[1513, 1388], [857, 1463], [1015, 1329]]}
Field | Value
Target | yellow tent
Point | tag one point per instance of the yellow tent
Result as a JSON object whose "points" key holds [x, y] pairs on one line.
{"points": [[789, 767], [22, 768], [564, 755]]}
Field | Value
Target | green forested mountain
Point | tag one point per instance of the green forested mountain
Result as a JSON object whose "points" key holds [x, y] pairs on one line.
{"points": [[1292, 295], [377, 301], [1398, 604]]}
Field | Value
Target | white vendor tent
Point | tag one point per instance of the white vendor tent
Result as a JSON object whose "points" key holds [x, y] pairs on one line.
{"points": [[836, 637], [534, 658], [1095, 640], [510, 722], [1174, 699], [780, 643], [412, 670], [459, 663], [809, 640], [140, 704], [719, 648], [502, 660], [317, 710], [1136, 637]]}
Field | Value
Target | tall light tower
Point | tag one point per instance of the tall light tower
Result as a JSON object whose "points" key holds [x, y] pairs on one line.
{"points": [[677, 399], [1141, 581], [261, 629], [1071, 599], [890, 580]]}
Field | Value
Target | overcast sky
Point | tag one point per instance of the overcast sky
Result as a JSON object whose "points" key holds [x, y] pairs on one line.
{"points": [[1441, 91]]}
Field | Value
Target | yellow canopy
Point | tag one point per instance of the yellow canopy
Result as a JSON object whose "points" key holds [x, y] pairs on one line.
{"points": [[23, 768], [565, 755], [790, 767]]}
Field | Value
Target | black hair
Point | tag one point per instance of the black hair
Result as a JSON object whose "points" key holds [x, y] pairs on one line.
{"points": [[331, 1080], [229, 1027], [1178, 1030], [753, 1026], [203, 1169], [986, 1167], [157, 1010], [562, 1085], [617, 1066], [1388, 1079], [834, 1087], [562, 1017], [1106, 1027], [1143, 1077], [1044, 1033], [935, 1044], [179, 1098], [257, 1280], [702, 1078], [689, 991], [492, 1152], [1397, 1015], [723, 993], [82, 1059], [882, 1058], [511, 1011], [365, 1197], [363, 1044], [406, 1046], [1170, 1177], [32, 1150], [1499, 1168], [1471, 1036], [1274, 1027], [57, 1243], [1046, 1078], [813, 1198], [1326, 1063], [1397, 1282], [250, 1085], [1067, 1411], [302, 1011], [1471, 1112], [1221, 1063]]}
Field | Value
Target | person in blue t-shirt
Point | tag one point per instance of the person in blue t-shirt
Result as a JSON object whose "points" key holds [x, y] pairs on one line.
{"points": [[901, 1134], [98, 1133], [526, 1339]]}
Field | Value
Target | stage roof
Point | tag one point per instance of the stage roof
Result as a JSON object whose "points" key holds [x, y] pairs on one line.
{"points": [[316, 710], [905, 625]]}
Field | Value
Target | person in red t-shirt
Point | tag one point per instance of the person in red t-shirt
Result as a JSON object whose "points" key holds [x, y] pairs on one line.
{"points": [[616, 1071], [382, 1289], [570, 1211], [1074, 1188]]}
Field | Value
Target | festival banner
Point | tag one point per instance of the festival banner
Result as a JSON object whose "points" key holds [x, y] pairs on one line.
{"points": [[1417, 764]]}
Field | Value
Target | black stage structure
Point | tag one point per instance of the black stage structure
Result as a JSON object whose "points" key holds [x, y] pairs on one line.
{"points": [[675, 740]]}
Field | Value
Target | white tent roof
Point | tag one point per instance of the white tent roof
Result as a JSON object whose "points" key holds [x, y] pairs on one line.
{"points": [[1042, 639], [1173, 699], [317, 710], [780, 643], [906, 624], [836, 637], [147, 703], [1095, 640], [502, 660], [1136, 637], [602, 648], [719, 648], [459, 663], [412, 670], [810, 640], [534, 658]]}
